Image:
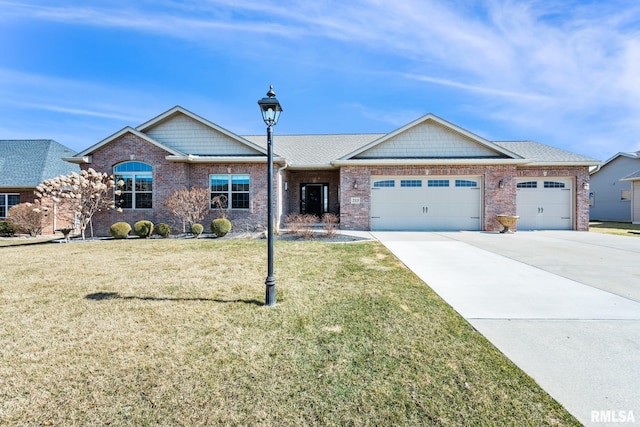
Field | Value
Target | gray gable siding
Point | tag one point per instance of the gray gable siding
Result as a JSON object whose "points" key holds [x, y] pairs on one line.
{"points": [[26, 163], [606, 187], [192, 137], [428, 140]]}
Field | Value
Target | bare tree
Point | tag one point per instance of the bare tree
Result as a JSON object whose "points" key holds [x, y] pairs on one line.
{"points": [[190, 206], [83, 194]]}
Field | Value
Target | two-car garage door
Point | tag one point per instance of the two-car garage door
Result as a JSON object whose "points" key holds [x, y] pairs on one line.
{"points": [[455, 203], [434, 203]]}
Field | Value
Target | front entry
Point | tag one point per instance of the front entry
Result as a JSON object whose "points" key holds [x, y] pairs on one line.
{"points": [[314, 199]]}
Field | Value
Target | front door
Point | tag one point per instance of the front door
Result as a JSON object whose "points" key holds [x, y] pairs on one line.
{"points": [[313, 199]]}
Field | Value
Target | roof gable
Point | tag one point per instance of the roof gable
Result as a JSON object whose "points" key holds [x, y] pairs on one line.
{"points": [[430, 137], [26, 163], [192, 134], [81, 157]]}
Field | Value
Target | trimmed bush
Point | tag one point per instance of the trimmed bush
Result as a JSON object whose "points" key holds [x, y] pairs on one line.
{"points": [[197, 229], [143, 228], [120, 230], [220, 226], [163, 229], [7, 229]]}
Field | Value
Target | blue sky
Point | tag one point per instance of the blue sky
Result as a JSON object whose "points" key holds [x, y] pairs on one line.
{"points": [[564, 73]]}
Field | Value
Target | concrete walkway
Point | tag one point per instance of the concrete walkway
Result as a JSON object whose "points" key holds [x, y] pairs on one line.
{"points": [[562, 305]]}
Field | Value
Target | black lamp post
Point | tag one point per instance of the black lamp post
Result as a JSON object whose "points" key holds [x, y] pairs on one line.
{"points": [[271, 109]]}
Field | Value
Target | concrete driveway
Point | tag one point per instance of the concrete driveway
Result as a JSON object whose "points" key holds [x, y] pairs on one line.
{"points": [[562, 305]]}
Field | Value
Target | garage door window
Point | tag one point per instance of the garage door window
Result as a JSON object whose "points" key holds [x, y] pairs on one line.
{"points": [[553, 184], [466, 183], [438, 183], [528, 184], [411, 183], [385, 183]]}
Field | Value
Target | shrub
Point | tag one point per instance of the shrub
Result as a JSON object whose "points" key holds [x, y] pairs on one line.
{"points": [[27, 218], [163, 229], [301, 225], [220, 226], [7, 229], [330, 224], [120, 230], [197, 229], [143, 228]]}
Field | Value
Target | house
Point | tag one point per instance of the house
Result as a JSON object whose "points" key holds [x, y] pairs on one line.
{"points": [[24, 164], [610, 196], [427, 175], [634, 180]]}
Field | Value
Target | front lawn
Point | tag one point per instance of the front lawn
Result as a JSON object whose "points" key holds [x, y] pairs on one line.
{"points": [[173, 332], [612, 227]]}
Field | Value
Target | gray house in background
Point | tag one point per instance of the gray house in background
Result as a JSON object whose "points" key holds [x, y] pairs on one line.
{"points": [[610, 197], [26, 163]]}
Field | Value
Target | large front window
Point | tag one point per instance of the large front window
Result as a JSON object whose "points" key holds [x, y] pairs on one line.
{"points": [[6, 202], [234, 188], [137, 180]]}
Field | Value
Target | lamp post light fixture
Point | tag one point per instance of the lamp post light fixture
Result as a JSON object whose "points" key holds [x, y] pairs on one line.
{"points": [[271, 109]]}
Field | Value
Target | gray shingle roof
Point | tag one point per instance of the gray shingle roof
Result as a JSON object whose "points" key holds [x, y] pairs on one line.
{"points": [[314, 150], [26, 163], [542, 153]]}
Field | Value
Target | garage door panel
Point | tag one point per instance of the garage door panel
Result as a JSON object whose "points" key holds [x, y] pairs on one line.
{"points": [[409, 203], [545, 203]]}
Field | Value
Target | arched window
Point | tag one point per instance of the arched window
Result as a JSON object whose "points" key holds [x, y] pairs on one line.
{"points": [[136, 193]]}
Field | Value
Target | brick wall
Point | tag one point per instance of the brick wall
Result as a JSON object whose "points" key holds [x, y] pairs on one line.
{"points": [[170, 176], [496, 200]]}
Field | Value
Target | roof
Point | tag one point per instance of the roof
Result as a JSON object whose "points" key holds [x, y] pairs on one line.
{"points": [[629, 154], [188, 137], [314, 151], [26, 163], [541, 153], [632, 177]]}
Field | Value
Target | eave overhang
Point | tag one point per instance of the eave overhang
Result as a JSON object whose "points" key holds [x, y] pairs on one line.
{"points": [[83, 160], [223, 159], [427, 162]]}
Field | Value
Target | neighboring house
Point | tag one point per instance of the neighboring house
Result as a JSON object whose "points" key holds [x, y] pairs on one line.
{"points": [[610, 197], [427, 175], [634, 180], [26, 163]]}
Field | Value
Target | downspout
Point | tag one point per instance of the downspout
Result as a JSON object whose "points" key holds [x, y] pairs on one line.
{"points": [[280, 195]]}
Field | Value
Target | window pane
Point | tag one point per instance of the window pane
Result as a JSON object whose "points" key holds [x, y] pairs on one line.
{"points": [[438, 183], [143, 201], [553, 184], [240, 182], [219, 183], [3, 212], [386, 183], [224, 200], [124, 200], [240, 201], [13, 199], [128, 182], [143, 183], [466, 183], [3, 199], [527, 184], [133, 167]]}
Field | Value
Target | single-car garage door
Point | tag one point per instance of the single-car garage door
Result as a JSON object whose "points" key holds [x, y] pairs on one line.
{"points": [[545, 203], [434, 203]]}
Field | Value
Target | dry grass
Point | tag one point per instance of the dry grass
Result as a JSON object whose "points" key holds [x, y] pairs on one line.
{"points": [[173, 332]]}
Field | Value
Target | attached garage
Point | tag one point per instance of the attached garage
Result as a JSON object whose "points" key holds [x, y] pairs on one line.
{"points": [[426, 203], [545, 203]]}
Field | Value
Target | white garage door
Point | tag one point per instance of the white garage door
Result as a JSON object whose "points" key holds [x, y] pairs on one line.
{"points": [[434, 203], [545, 203]]}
